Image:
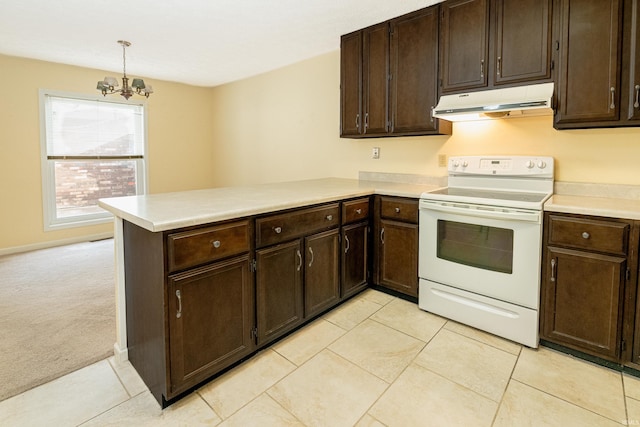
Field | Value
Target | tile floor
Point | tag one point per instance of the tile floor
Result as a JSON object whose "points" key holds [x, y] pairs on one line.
{"points": [[374, 361]]}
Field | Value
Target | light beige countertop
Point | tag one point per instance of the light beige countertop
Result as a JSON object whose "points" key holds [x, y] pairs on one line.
{"points": [[168, 211], [598, 206]]}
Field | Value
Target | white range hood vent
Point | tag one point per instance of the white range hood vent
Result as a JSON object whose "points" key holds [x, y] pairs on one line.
{"points": [[521, 101]]}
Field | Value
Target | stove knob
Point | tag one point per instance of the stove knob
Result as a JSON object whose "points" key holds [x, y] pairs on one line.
{"points": [[465, 164], [542, 164], [456, 163], [529, 164]]}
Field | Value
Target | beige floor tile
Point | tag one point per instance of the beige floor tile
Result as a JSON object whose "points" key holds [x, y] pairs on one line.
{"points": [[375, 296], [352, 313], [379, 349], [485, 337], [406, 317], [66, 401], [369, 421], [589, 386], [328, 391], [421, 398], [526, 406], [470, 363], [128, 376], [262, 412], [244, 383], [143, 411], [309, 341], [633, 412], [631, 386]]}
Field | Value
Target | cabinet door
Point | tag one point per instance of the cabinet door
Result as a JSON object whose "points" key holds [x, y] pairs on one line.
{"points": [[321, 272], [463, 50], [588, 86], [279, 295], [375, 63], [583, 300], [211, 314], [351, 84], [355, 258], [633, 28], [522, 41], [414, 71], [398, 261]]}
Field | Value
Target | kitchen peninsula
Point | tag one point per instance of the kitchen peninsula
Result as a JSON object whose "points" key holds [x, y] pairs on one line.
{"points": [[245, 265]]}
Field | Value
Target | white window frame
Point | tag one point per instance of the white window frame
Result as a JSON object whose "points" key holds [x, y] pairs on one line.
{"points": [[51, 221]]}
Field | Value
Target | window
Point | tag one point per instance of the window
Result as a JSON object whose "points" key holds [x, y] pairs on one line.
{"points": [[91, 148]]}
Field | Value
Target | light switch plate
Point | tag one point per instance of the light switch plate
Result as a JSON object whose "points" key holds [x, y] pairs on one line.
{"points": [[442, 160]]}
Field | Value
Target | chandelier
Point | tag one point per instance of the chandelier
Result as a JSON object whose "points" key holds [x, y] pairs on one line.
{"points": [[109, 84]]}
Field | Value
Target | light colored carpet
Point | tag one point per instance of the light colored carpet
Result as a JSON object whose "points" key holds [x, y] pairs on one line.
{"points": [[57, 313]]}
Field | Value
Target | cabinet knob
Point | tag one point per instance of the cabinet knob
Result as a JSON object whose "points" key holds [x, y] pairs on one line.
{"points": [[216, 243], [358, 211], [613, 98], [329, 217], [397, 210], [637, 103], [585, 235], [278, 230]]}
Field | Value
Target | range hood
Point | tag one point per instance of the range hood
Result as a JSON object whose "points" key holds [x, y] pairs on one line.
{"points": [[521, 101]]}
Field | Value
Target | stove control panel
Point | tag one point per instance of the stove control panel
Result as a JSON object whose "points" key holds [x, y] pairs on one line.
{"points": [[501, 165]]}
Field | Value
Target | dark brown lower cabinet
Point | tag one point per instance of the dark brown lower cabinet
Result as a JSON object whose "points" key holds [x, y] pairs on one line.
{"points": [[584, 300], [398, 257], [211, 315], [321, 272], [588, 286], [279, 292], [355, 259]]}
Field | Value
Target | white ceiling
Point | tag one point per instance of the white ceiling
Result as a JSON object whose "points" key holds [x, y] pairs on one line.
{"points": [[198, 42]]}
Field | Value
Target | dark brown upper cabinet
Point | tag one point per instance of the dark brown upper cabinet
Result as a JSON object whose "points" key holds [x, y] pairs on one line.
{"points": [[388, 78], [496, 43], [598, 80]]}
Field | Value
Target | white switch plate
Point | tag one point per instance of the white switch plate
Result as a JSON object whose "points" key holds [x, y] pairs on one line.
{"points": [[375, 153]]}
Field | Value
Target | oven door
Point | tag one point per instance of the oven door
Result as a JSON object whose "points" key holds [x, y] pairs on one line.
{"points": [[490, 251]]}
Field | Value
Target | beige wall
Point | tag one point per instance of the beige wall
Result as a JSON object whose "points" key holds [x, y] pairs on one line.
{"points": [[283, 125], [180, 149]]}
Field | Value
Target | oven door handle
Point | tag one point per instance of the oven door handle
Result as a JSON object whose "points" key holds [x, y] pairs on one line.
{"points": [[482, 211]]}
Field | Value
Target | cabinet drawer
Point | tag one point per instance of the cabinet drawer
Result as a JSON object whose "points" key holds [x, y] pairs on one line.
{"points": [[590, 234], [399, 209], [282, 227], [355, 210], [202, 245]]}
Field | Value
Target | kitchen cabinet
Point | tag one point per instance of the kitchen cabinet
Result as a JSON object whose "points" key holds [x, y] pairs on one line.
{"points": [[397, 244], [598, 48], [189, 303], [388, 78], [485, 44], [355, 241], [584, 277], [297, 265], [588, 76]]}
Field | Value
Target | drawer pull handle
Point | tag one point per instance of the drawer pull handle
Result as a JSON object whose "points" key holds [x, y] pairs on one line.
{"points": [[311, 252], [299, 255], [329, 217], [585, 235], [397, 210], [613, 98], [359, 211], [637, 103], [216, 243], [179, 312], [553, 270], [278, 230], [346, 240]]}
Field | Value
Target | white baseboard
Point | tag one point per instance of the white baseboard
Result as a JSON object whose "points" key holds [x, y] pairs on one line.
{"points": [[121, 355], [53, 243]]}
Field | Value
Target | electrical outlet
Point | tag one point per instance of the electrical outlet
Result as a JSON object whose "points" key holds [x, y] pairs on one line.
{"points": [[375, 153], [442, 160]]}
